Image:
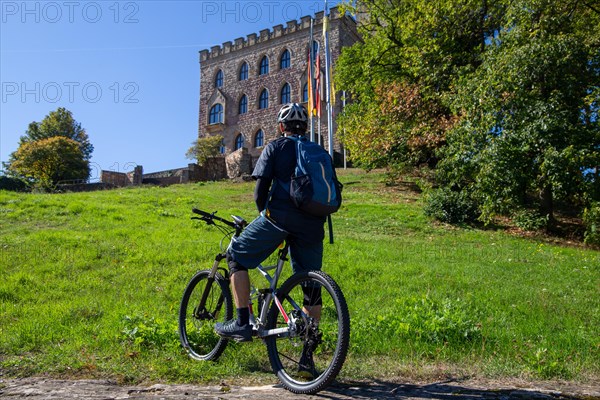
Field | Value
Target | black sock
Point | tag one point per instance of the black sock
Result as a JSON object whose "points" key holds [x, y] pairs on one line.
{"points": [[243, 316]]}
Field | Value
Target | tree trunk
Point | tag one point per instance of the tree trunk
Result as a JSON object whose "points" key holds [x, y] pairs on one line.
{"points": [[547, 204]]}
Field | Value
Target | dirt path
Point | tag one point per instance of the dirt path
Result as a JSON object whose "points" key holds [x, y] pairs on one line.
{"points": [[48, 389]]}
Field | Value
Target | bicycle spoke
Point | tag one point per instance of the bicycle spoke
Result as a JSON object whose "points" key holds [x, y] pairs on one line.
{"points": [[196, 321]]}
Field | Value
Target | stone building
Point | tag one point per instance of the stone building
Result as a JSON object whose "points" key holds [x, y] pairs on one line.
{"points": [[245, 82]]}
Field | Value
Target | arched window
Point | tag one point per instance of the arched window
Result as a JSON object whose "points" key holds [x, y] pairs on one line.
{"points": [[286, 94], [305, 93], [243, 109], [264, 66], [216, 114], [222, 147], [239, 142], [219, 79], [259, 139], [263, 100], [244, 71], [285, 60]]}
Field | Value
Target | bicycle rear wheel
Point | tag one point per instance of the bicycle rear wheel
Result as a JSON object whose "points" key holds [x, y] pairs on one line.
{"points": [[196, 321], [311, 358]]}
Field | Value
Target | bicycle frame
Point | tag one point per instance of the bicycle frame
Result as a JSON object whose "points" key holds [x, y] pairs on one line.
{"points": [[270, 294]]}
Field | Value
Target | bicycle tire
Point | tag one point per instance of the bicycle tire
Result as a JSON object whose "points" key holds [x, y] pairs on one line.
{"points": [[196, 332], [332, 333]]}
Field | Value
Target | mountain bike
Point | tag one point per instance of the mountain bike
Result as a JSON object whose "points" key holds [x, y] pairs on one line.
{"points": [[306, 352]]}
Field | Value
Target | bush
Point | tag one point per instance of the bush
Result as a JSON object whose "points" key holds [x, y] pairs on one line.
{"points": [[13, 184], [591, 220], [530, 220], [451, 206]]}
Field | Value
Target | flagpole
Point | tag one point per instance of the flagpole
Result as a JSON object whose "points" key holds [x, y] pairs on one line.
{"points": [[344, 145], [310, 82], [328, 80]]}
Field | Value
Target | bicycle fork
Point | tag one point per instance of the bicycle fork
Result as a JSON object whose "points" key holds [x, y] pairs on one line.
{"points": [[200, 311]]}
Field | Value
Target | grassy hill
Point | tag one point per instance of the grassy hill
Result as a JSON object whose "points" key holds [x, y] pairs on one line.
{"points": [[90, 285]]}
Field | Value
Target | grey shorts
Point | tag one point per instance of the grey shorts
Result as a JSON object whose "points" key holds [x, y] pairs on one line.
{"points": [[261, 238]]}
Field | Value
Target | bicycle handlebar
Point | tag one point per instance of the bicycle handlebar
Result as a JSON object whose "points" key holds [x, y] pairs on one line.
{"points": [[238, 223]]}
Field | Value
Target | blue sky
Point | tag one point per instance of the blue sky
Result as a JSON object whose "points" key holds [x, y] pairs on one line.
{"points": [[127, 70]]}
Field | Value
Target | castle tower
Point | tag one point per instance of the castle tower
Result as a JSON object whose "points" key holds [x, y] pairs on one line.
{"points": [[244, 83]]}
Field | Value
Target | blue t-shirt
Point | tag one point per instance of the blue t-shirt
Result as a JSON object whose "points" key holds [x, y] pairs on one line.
{"points": [[277, 162]]}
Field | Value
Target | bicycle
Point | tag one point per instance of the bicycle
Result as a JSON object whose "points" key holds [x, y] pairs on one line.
{"points": [[282, 320]]}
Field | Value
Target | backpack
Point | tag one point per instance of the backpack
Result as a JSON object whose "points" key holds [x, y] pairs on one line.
{"points": [[314, 187]]}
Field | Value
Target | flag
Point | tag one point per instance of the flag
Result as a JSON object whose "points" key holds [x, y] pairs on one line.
{"points": [[318, 84], [309, 82]]}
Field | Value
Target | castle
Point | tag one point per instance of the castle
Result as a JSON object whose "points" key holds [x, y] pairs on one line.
{"points": [[244, 83]]}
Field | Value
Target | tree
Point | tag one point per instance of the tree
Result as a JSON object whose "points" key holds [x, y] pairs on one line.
{"points": [[58, 132], [501, 97], [59, 123], [48, 161], [528, 132], [401, 76], [204, 148]]}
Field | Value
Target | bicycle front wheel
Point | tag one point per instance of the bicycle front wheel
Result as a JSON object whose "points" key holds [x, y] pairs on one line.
{"points": [[197, 320], [311, 357]]}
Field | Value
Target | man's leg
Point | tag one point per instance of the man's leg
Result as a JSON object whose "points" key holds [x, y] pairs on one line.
{"points": [[240, 285], [308, 257], [253, 246]]}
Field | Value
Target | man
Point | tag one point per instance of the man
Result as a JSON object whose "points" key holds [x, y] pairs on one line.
{"points": [[279, 219]]}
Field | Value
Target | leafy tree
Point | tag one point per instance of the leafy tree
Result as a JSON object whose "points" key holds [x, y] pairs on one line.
{"points": [[204, 148], [59, 123], [501, 97], [528, 132], [48, 161], [34, 159], [400, 76]]}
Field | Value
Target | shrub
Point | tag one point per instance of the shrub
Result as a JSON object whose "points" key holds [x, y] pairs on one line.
{"points": [[451, 206], [530, 220], [591, 220], [13, 184]]}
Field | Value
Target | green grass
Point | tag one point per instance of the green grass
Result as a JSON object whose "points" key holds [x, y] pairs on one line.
{"points": [[90, 285]]}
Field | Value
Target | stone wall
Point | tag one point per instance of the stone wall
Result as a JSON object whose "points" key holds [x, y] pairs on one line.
{"points": [[214, 169], [117, 179]]}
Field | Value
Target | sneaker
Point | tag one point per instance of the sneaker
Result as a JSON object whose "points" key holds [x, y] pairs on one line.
{"points": [[231, 330], [306, 365]]}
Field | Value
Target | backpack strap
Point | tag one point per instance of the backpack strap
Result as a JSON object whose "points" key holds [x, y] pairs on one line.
{"points": [[330, 226]]}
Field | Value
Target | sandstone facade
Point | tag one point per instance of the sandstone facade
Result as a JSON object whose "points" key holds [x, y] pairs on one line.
{"points": [[226, 61]]}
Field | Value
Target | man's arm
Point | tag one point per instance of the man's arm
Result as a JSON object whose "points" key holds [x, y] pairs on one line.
{"points": [[261, 193]]}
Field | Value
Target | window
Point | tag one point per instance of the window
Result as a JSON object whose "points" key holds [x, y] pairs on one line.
{"points": [[222, 147], [305, 93], [259, 138], [285, 60], [239, 142], [216, 114], [244, 72], [263, 101], [219, 79], [264, 66], [286, 94], [243, 109]]}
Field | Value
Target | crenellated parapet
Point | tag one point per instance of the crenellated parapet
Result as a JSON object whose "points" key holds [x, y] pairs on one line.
{"points": [[267, 35]]}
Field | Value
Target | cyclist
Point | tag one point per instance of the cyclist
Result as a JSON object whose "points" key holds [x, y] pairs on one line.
{"points": [[279, 219]]}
